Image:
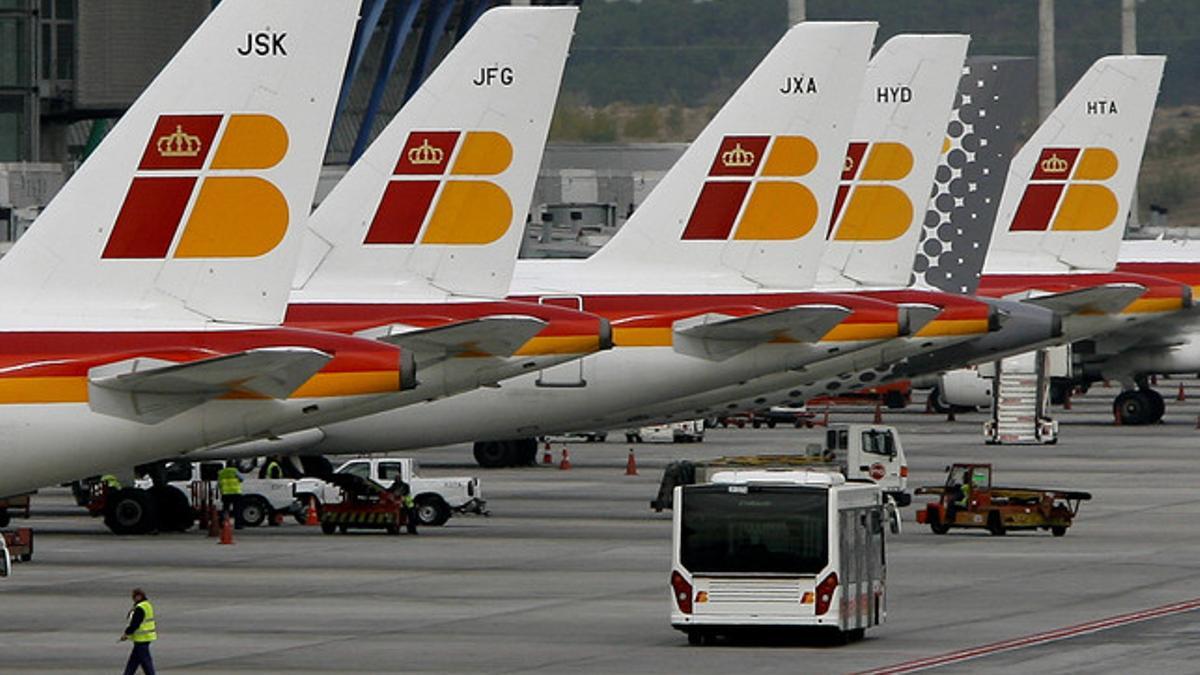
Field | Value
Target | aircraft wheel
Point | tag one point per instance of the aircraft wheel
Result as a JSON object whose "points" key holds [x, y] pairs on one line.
{"points": [[1133, 408], [493, 454], [173, 508], [131, 511], [1158, 407]]}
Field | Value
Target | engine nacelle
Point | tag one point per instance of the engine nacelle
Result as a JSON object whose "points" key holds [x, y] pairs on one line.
{"points": [[966, 388]]}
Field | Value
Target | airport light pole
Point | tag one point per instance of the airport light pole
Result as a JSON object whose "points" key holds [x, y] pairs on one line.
{"points": [[1047, 98], [1129, 46], [796, 12]]}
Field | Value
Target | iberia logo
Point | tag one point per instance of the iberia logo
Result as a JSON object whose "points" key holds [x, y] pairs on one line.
{"points": [[777, 208], [231, 215], [868, 207], [464, 210], [1066, 192]]}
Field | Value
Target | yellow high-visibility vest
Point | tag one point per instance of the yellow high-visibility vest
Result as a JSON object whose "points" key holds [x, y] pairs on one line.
{"points": [[145, 632], [229, 482]]}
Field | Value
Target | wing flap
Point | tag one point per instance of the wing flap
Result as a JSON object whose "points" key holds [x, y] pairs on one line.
{"points": [[717, 337], [495, 336], [149, 390], [1105, 299]]}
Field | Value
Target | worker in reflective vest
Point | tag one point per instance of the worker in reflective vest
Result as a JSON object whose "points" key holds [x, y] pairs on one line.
{"points": [[110, 481], [272, 469], [404, 492], [141, 630], [230, 484]]}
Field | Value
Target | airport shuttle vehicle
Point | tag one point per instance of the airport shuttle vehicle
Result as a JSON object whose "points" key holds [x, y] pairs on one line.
{"points": [[777, 549]]}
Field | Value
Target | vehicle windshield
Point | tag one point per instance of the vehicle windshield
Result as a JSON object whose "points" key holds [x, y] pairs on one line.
{"points": [[754, 530]]}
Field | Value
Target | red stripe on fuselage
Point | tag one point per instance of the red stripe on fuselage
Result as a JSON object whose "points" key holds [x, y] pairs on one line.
{"points": [[73, 353], [1001, 285], [351, 318], [662, 310]]}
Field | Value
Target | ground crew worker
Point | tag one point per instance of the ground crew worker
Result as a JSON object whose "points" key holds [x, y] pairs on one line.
{"points": [[230, 485], [142, 631], [400, 488], [272, 470], [110, 481]]}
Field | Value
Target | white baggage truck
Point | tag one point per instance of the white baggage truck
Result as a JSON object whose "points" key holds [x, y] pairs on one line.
{"points": [[778, 549]]}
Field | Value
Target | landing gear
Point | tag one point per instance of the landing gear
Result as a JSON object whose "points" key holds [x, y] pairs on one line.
{"points": [[131, 511], [1139, 407], [498, 454]]}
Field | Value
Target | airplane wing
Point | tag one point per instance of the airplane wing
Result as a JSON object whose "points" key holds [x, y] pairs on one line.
{"points": [[151, 390], [717, 337], [498, 336], [1105, 299]]}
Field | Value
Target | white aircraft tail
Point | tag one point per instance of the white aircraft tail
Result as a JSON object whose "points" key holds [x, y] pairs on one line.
{"points": [[752, 195], [1069, 188], [191, 209], [436, 206], [899, 131]]}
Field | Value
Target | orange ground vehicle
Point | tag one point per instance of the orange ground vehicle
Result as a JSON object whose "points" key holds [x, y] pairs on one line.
{"points": [[969, 500]]}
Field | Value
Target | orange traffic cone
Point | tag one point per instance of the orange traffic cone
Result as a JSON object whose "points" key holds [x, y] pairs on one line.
{"points": [[878, 414], [214, 522], [1116, 416], [547, 456], [226, 531], [1181, 396], [310, 515], [631, 465], [565, 464]]}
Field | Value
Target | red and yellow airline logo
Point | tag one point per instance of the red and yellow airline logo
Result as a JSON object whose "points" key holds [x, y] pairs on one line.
{"points": [[1087, 205], [868, 207], [778, 207], [231, 215], [464, 210]]}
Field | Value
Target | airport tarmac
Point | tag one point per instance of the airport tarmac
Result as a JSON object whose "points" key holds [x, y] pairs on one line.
{"points": [[569, 574]]}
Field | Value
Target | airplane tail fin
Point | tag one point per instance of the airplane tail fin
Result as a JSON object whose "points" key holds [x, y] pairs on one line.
{"points": [[751, 196], [436, 206], [1069, 188], [899, 131], [191, 209]]}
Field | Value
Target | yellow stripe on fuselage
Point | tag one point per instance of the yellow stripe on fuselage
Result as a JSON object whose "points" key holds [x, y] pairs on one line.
{"points": [[63, 389], [950, 327], [560, 344]]}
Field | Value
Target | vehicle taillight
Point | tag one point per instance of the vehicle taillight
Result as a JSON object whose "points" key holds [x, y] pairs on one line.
{"points": [[825, 591], [683, 592], [904, 472]]}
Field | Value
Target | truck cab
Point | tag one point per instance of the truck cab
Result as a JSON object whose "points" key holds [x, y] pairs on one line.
{"points": [[871, 452]]}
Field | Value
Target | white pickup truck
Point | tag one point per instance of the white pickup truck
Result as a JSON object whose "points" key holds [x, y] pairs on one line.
{"points": [[436, 498], [261, 498]]}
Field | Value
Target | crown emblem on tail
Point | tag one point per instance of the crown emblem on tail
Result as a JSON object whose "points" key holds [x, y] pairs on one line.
{"points": [[178, 144], [1055, 164], [425, 154], [848, 165], [738, 157]]}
